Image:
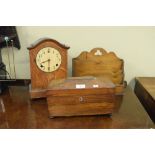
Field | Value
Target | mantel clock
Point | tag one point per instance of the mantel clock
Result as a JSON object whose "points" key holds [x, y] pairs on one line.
{"points": [[48, 61]]}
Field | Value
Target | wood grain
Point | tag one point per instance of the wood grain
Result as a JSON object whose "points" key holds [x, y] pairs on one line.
{"points": [[103, 65], [64, 99], [40, 79], [42, 40], [81, 109], [145, 91], [23, 113]]}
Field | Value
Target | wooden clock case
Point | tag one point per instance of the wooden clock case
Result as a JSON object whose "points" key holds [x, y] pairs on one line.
{"points": [[39, 78]]}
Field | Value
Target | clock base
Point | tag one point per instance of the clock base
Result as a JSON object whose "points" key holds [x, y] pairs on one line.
{"points": [[37, 93]]}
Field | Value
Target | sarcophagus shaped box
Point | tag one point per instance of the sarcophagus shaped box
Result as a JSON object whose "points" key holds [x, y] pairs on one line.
{"points": [[80, 96]]}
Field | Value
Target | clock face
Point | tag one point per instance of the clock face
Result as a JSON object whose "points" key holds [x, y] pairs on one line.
{"points": [[48, 59]]}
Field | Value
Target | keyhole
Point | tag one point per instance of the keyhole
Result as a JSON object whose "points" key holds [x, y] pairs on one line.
{"points": [[80, 99]]}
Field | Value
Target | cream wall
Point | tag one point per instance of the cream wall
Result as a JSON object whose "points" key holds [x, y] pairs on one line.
{"points": [[136, 45]]}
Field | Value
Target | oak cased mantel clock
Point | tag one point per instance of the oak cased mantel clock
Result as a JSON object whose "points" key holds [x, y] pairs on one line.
{"points": [[48, 61]]}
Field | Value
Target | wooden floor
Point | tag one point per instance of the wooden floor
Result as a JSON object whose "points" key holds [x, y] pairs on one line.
{"points": [[18, 111]]}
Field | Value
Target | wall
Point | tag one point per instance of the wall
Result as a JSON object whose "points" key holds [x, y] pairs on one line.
{"points": [[136, 45]]}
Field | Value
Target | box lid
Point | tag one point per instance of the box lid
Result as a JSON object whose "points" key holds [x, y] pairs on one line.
{"points": [[81, 86]]}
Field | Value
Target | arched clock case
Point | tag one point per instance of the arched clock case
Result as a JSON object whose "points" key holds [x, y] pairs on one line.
{"points": [[48, 61]]}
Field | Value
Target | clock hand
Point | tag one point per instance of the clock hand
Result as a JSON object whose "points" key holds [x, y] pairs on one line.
{"points": [[44, 61], [49, 64]]}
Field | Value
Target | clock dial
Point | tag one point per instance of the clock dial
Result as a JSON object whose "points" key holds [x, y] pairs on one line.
{"points": [[48, 59]]}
